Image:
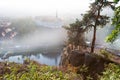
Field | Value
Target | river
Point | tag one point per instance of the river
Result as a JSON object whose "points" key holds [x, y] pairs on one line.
{"points": [[48, 56]]}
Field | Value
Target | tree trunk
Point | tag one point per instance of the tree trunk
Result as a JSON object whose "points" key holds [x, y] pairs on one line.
{"points": [[93, 40], [94, 33]]}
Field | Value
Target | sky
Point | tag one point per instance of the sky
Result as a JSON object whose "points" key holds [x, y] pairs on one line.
{"points": [[42, 7]]}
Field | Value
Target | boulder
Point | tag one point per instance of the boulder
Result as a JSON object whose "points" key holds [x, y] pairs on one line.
{"points": [[77, 58]]}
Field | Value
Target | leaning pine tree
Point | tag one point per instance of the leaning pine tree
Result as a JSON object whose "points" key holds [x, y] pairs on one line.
{"points": [[93, 18]]}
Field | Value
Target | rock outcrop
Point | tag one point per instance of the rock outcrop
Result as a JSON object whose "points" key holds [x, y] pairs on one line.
{"points": [[78, 56]]}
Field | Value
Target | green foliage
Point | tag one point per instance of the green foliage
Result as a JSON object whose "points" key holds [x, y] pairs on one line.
{"points": [[83, 69], [116, 22], [112, 36], [76, 33], [35, 71], [116, 1], [112, 72], [106, 54]]}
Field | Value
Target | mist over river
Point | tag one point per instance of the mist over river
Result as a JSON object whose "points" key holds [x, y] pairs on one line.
{"points": [[41, 39], [35, 39]]}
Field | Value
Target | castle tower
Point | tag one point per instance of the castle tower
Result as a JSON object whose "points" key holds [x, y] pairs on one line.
{"points": [[56, 14]]}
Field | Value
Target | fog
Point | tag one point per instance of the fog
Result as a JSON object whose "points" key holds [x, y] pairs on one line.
{"points": [[22, 8], [45, 38], [37, 28], [101, 35], [64, 9]]}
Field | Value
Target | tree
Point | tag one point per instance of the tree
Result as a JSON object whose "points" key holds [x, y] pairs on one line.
{"points": [[116, 1], [116, 23], [76, 33], [93, 18]]}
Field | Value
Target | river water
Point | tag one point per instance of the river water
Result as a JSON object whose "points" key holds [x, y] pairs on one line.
{"points": [[43, 56]]}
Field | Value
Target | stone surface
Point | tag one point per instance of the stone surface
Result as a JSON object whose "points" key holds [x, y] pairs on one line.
{"points": [[77, 57]]}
